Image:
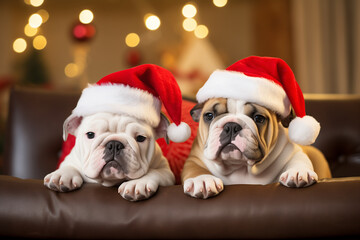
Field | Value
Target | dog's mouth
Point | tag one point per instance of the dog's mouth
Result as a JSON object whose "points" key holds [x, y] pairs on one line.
{"points": [[230, 152], [112, 169]]}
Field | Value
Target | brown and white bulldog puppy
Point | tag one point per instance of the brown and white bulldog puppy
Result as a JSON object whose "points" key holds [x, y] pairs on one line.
{"points": [[241, 142], [113, 149]]}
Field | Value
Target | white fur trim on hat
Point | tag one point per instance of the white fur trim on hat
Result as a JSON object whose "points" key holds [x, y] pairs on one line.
{"points": [[178, 133], [236, 85], [304, 131], [120, 99]]}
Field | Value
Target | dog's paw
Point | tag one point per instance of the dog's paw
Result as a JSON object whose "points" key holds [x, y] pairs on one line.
{"points": [[63, 180], [138, 189], [298, 178], [203, 186]]}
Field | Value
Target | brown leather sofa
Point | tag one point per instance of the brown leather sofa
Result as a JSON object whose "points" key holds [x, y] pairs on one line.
{"points": [[328, 209]]}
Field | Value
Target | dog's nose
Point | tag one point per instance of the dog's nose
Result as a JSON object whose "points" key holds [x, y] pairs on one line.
{"points": [[232, 128], [114, 147]]}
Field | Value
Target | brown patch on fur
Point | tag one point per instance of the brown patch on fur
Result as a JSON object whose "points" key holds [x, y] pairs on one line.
{"points": [[194, 166], [321, 166]]}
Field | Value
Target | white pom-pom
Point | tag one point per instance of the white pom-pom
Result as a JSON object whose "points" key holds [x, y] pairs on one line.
{"points": [[304, 131], [178, 133]]}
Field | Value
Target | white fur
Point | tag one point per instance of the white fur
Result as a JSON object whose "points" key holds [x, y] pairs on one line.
{"points": [[304, 131], [146, 167], [178, 133], [120, 99], [236, 85]]}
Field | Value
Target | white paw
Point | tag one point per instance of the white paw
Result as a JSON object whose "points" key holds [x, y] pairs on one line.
{"points": [[203, 186], [298, 178], [64, 179], [138, 189]]}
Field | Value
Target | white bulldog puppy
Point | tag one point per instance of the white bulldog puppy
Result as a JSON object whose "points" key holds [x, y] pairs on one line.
{"points": [[116, 123], [113, 149]]}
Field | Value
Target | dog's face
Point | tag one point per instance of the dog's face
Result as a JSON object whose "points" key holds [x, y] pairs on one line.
{"points": [[112, 146], [235, 133]]}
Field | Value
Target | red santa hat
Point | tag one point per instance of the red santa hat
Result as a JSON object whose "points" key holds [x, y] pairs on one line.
{"points": [[138, 92], [268, 82]]}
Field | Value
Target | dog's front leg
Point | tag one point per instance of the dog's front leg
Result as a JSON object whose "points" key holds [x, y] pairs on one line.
{"points": [[159, 174], [299, 171], [197, 180], [64, 179]]}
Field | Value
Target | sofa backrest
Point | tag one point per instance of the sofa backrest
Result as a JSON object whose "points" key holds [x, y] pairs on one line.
{"points": [[34, 131], [339, 138]]}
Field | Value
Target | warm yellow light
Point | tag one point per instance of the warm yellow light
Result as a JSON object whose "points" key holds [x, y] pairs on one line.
{"points": [[201, 31], [30, 31], [72, 70], [39, 42], [44, 15], [36, 3], [27, 2], [132, 40], [19, 45], [168, 60], [35, 20], [152, 22], [86, 16], [189, 10], [189, 24], [220, 3]]}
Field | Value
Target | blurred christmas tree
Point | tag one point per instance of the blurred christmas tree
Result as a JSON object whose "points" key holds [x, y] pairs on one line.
{"points": [[34, 70]]}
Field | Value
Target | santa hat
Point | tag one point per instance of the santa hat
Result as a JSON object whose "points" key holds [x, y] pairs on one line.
{"points": [[268, 82], [138, 92]]}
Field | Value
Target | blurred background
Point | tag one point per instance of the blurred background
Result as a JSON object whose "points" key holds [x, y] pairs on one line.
{"points": [[63, 45]]}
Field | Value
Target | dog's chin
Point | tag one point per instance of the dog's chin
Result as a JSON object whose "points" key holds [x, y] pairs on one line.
{"points": [[112, 170], [231, 155]]}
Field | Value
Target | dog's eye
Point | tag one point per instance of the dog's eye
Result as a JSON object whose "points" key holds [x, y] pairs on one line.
{"points": [[140, 138], [90, 135], [209, 116], [259, 118]]}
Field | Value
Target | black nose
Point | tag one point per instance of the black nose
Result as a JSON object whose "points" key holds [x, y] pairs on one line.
{"points": [[113, 149], [230, 131], [232, 128]]}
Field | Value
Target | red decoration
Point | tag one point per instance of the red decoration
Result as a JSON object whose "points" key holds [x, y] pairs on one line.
{"points": [[83, 32], [133, 58]]}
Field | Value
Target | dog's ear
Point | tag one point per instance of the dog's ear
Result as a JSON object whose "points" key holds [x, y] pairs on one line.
{"points": [[286, 121], [70, 125], [195, 112], [161, 129]]}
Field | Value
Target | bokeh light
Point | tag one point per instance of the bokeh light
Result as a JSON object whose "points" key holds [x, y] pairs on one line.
{"points": [[19, 45], [132, 40], [36, 3], [220, 3], [152, 22], [39, 42], [72, 70], [201, 31], [30, 31], [189, 24], [44, 15], [86, 16], [189, 10], [35, 20]]}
